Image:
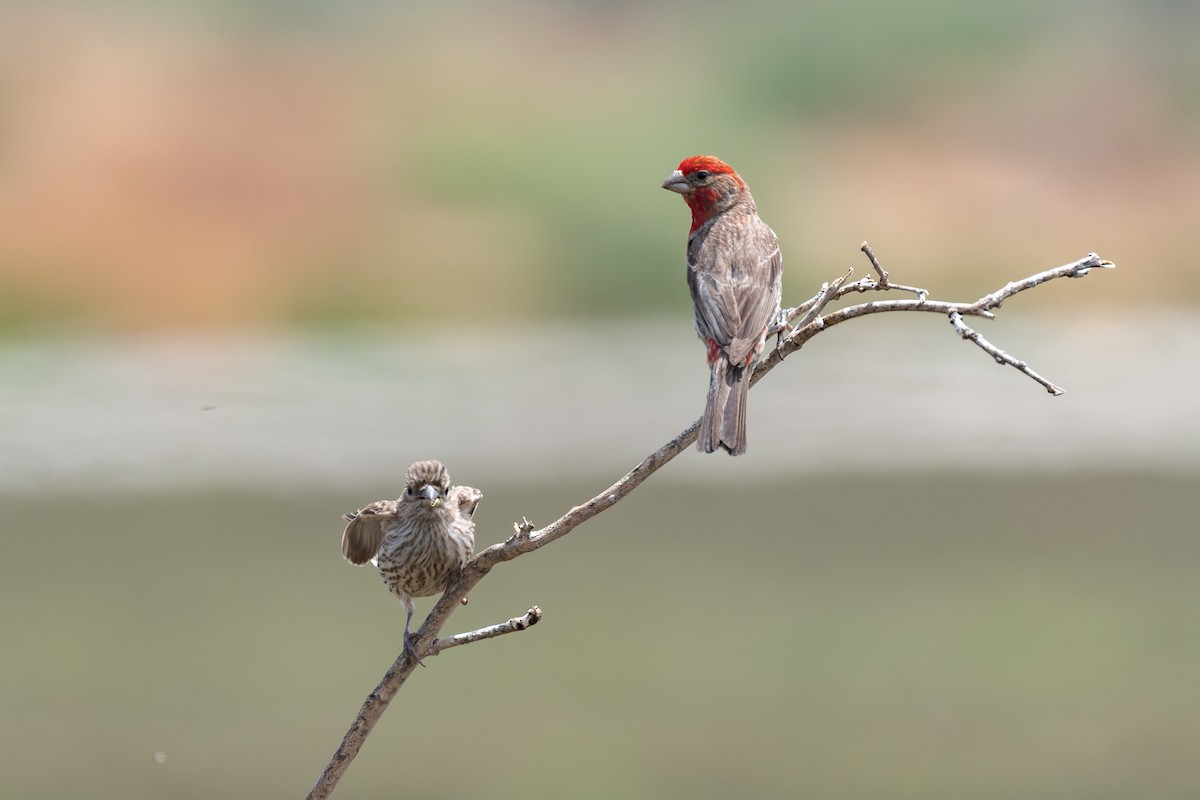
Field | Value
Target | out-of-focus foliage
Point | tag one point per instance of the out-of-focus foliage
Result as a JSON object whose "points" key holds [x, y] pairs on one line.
{"points": [[235, 164]]}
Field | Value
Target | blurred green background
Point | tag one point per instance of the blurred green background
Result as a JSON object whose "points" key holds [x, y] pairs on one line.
{"points": [[256, 257]]}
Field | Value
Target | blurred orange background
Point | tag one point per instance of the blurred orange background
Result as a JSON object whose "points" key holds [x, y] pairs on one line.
{"points": [[207, 166]]}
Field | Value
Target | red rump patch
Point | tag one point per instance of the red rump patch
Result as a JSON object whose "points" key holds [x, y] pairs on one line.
{"points": [[714, 352]]}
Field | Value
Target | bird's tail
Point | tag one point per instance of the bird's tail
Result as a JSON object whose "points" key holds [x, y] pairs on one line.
{"points": [[724, 421]]}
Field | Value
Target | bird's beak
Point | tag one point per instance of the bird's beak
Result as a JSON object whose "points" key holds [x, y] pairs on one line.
{"points": [[675, 182], [432, 495]]}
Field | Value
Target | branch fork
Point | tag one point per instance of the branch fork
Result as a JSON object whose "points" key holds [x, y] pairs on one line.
{"points": [[983, 307]]}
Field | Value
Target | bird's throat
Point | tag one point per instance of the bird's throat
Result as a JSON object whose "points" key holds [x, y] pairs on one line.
{"points": [[703, 204]]}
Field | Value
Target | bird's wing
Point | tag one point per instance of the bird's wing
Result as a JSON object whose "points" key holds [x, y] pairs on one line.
{"points": [[364, 533], [758, 306], [734, 269], [716, 311], [708, 277], [465, 499]]}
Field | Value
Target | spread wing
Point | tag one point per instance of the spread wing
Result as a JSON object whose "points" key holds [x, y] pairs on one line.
{"points": [[465, 499], [734, 269], [362, 537]]}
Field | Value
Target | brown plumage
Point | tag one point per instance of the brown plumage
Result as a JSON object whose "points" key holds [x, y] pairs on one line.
{"points": [[418, 541], [734, 274]]}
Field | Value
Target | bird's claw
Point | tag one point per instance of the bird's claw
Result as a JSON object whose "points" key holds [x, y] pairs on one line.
{"points": [[410, 648], [782, 330], [781, 337]]}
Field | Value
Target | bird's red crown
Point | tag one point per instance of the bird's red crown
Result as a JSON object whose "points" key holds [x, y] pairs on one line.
{"points": [[712, 164]]}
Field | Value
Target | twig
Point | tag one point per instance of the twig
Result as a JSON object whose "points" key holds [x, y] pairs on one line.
{"points": [[980, 308], [1001, 357], [527, 620], [817, 304], [883, 273], [883, 284], [821, 298], [526, 538], [1076, 269]]}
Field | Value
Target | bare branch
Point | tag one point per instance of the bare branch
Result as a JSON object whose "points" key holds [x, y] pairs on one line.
{"points": [[526, 537], [884, 283], [812, 309], [822, 298], [372, 709], [1076, 269], [1001, 357], [871, 285], [880, 271], [980, 308], [527, 620]]}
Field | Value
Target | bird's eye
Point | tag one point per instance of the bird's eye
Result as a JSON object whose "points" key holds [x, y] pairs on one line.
{"points": [[408, 491], [702, 175]]}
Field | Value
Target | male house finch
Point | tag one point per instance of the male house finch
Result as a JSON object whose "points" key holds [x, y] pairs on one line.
{"points": [[734, 273], [418, 541]]}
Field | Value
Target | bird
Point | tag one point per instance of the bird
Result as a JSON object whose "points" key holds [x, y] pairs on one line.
{"points": [[420, 540], [734, 275]]}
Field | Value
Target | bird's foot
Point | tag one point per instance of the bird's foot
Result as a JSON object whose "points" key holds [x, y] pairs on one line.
{"points": [[782, 330], [781, 338], [410, 647]]}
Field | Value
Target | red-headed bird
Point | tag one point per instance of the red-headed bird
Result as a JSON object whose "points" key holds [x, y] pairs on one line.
{"points": [[734, 272]]}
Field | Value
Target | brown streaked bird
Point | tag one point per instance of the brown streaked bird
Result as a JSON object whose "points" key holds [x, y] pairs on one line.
{"points": [[418, 541], [734, 274]]}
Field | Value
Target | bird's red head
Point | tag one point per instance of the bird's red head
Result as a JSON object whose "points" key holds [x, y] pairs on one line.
{"points": [[708, 186]]}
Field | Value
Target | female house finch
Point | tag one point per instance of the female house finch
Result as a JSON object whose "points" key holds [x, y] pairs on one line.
{"points": [[734, 273], [418, 541]]}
